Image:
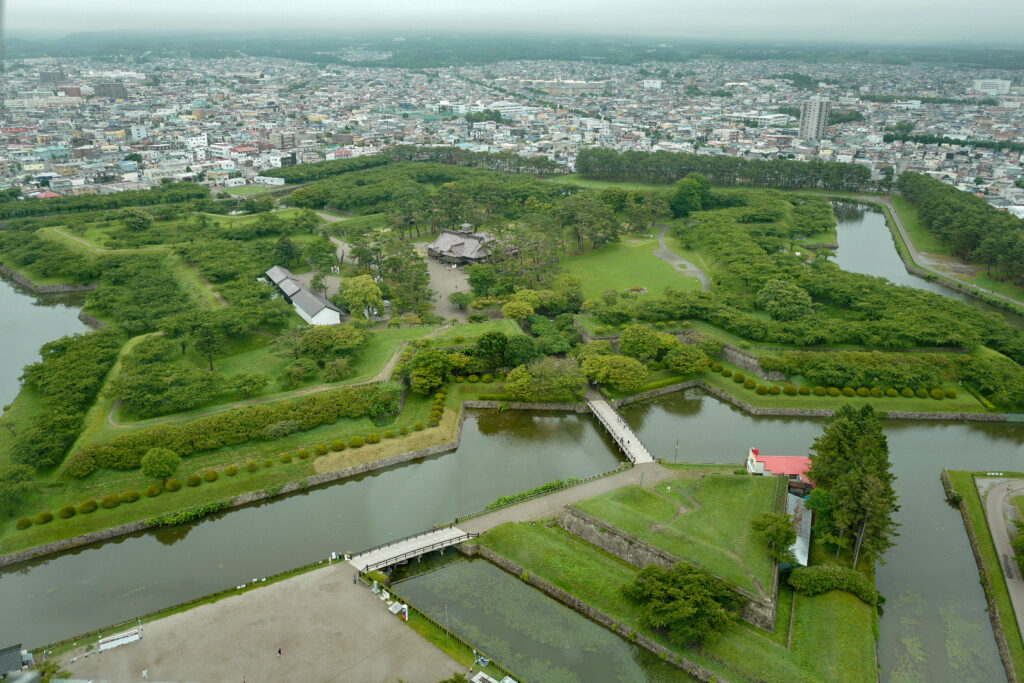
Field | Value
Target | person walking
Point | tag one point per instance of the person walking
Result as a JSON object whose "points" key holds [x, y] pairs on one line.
{"points": [[278, 652], [145, 674]]}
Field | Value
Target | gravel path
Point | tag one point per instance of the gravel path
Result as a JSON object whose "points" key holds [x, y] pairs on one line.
{"points": [[678, 262]]}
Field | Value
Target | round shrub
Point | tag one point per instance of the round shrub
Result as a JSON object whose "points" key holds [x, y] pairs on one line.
{"points": [[739, 377], [659, 325], [877, 393], [863, 391], [66, 512], [87, 506], [23, 523], [458, 339], [440, 396], [232, 470], [418, 426], [80, 464], [194, 480], [907, 392], [403, 430], [849, 391], [921, 392], [749, 383], [819, 391], [460, 379], [950, 393], [431, 423], [303, 454], [252, 466], [487, 378], [438, 408], [338, 445], [790, 390], [373, 438], [111, 500], [774, 390], [129, 496], [434, 416], [891, 393], [804, 391], [761, 389], [152, 491], [833, 392], [599, 330], [937, 394], [716, 367], [269, 462], [355, 442], [211, 475], [44, 517], [389, 434], [726, 372], [321, 448], [473, 379], [286, 458]]}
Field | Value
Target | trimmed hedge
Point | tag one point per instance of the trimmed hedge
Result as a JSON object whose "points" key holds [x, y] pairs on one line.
{"points": [[418, 426], [286, 458], [23, 523], [66, 512], [153, 490], [726, 372], [739, 378], [111, 500], [761, 389], [823, 578], [372, 438], [252, 466], [790, 390], [355, 442], [863, 392], [950, 393], [750, 383], [921, 392], [716, 367], [820, 391], [250, 423], [88, 506], [172, 485], [337, 445], [487, 378], [321, 448], [269, 462], [389, 434], [891, 393], [403, 430], [473, 379], [211, 475], [303, 454], [194, 480], [231, 470], [804, 391], [129, 496], [849, 392], [774, 390], [877, 393], [907, 393], [44, 517], [833, 392]]}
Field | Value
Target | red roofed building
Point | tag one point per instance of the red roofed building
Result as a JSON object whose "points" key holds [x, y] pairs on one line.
{"points": [[793, 467]]}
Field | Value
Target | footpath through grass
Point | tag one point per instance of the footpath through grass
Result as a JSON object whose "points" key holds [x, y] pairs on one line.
{"points": [[705, 520], [832, 638], [963, 483]]}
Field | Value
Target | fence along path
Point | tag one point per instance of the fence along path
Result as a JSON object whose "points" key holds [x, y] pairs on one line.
{"points": [[623, 434]]}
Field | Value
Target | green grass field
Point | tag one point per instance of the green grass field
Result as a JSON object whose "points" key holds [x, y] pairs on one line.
{"points": [[705, 521], [963, 483], [629, 263], [247, 190], [833, 633], [470, 332]]}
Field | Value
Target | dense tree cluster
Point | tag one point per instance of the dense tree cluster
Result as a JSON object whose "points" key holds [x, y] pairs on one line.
{"points": [[68, 378], [302, 173], [668, 167], [973, 229], [152, 383], [45, 257], [170, 193]]}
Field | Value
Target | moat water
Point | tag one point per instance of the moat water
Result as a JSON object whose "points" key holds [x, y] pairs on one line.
{"points": [[935, 626]]}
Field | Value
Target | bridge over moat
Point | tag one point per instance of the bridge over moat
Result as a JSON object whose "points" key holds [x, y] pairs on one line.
{"points": [[621, 432], [404, 549]]}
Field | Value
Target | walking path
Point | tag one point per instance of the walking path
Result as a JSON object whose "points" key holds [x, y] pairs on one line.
{"points": [[678, 262], [922, 262], [996, 504], [327, 628], [550, 505], [407, 548], [623, 434]]}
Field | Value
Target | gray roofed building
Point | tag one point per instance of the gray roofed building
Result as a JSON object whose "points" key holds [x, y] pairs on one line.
{"points": [[10, 659], [461, 246], [311, 306]]}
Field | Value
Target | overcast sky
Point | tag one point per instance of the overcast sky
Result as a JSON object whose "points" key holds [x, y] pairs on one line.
{"points": [[874, 21]]}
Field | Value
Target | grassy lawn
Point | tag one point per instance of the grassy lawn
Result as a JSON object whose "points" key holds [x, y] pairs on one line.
{"points": [[705, 521], [469, 332], [922, 239], [630, 263], [963, 483], [246, 190], [834, 623]]}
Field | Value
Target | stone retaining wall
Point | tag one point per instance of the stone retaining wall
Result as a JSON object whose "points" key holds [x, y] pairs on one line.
{"points": [[986, 583], [238, 501], [737, 356], [91, 321], [759, 611], [518, 405], [25, 281], [591, 612]]}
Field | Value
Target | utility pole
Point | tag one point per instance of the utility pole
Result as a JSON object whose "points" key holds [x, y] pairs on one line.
{"points": [[675, 458]]}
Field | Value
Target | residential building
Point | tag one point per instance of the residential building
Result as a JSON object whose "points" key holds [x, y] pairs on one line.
{"points": [[814, 118], [992, 86]]}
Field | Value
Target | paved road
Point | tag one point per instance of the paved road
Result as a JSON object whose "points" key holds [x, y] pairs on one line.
{"points": [[550, 505], [327, 628], [996, 504], [623, 434], [921, 262], [678, 262]]}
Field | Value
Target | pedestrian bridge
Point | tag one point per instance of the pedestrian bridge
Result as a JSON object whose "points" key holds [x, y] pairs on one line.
{"points": [[404, 549], [623, 434]]}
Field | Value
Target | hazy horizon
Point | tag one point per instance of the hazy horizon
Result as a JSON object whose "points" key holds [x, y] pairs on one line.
{"points": [[879, 22]]}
